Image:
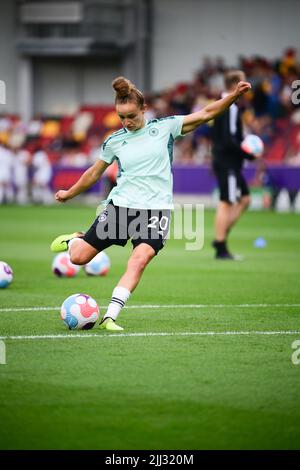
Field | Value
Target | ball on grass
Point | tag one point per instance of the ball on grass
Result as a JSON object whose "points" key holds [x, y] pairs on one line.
{"points": [[6, 274], [79, 312]]}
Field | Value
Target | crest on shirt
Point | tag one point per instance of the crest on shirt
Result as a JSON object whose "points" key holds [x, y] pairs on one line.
{"points": [[153, 132], [103, 216]]}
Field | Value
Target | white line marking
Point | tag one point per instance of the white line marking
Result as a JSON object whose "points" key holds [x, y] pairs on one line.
{"points": [[40, 309], [125, 335], [28, 309]]}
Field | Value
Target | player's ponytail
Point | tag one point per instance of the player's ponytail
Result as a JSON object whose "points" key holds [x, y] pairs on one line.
{"points": [[127, 91]]}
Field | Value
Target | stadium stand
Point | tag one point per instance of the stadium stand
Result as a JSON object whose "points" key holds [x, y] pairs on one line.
{"points": [[70, 142]]}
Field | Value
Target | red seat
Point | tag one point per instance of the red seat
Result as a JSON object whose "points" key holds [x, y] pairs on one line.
{"points": [[277, 150]]}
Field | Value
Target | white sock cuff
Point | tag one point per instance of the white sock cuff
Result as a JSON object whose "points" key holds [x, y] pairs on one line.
{"points": [[118, 300], [121, 293]]}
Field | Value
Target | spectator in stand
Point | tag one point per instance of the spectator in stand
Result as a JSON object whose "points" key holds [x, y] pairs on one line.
{"points": [[110, 178], [202, 147], [6, 162], [21, 162], [42, 173], [184, 151]]}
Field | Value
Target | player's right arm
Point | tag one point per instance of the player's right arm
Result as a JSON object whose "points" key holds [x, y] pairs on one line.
{"points": [[86, 181]]}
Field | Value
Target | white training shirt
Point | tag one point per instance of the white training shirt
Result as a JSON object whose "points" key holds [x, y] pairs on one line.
{"points": [[144, 158]]}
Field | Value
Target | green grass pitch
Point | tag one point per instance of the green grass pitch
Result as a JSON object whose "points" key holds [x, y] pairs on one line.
{"points": [[227, 386]]}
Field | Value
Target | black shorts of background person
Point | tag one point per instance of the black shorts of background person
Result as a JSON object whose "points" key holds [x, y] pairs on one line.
{"points": [[232, 184]]}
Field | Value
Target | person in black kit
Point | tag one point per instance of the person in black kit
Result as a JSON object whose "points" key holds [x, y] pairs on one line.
{"points": [[227, 165]]}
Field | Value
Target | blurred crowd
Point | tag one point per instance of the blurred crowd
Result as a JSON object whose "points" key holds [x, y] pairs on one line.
{"points": [[31, 153], [268, 109]]}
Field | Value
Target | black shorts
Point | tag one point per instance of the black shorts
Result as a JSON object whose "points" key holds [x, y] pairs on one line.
{"points": [[232, 185], [116, 225]]}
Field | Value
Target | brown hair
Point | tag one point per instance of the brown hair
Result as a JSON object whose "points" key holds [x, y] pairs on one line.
{"points": [[233, 77], [127, 91]]}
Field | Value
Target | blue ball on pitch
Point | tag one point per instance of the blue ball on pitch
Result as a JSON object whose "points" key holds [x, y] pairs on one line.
{"points": [[253, 144], [260, 242], [98, 266]]}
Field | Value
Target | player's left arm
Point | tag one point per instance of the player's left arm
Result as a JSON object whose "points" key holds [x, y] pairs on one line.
{"points": [[192, 121]]}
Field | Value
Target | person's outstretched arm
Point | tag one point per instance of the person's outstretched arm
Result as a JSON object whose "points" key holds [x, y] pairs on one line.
{"points": [[88, 179], [192, 121]]}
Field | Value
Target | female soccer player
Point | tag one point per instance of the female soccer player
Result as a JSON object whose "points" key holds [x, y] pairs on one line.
{"points": [[138, 208]]}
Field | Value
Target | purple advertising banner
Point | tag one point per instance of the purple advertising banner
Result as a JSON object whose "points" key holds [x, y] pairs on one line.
{"points": [[193, 179]]}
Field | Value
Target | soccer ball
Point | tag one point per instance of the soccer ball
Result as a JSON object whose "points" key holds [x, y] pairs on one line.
{"points": [[98, 266], [6, 274], [79, 312], [253, 144], [62, 266]]}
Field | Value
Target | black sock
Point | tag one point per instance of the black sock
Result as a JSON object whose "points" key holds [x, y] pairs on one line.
{"points": [[220, 247]]}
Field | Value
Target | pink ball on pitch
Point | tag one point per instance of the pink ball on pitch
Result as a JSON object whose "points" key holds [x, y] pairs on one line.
{"points": [[62, 266]]}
